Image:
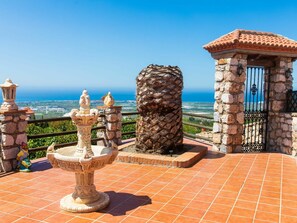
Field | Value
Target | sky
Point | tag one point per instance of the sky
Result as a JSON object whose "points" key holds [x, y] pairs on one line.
{"points": [[104, 44]]}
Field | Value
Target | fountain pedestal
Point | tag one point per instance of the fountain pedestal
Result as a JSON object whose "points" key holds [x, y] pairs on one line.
{"points": [[85, 198], [83, 159]]}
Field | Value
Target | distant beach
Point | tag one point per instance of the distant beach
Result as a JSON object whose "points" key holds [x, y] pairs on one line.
{"points": [[50, 103]]}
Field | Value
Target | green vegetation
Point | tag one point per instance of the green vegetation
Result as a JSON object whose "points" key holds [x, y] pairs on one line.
{"points": [[62, 126], [194, 130], [49, 127]]}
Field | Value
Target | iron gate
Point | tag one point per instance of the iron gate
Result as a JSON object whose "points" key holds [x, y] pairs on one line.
{"points": [[255, 109]]}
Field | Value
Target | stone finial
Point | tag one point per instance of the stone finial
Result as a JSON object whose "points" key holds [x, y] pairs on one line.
{"points": [[84, 103], [9, 94], [108, 100]]}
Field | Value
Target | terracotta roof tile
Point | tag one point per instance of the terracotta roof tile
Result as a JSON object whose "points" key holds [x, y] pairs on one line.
{"points": [[252, 40]]}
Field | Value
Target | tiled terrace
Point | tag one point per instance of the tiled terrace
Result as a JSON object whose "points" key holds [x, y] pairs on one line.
{"points": [[231, 188]]}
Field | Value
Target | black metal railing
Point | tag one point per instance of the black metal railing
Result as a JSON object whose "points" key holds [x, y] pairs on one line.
{"points": [[55, 134], [126, 134], [129, 125], [201, 124], [128, 128]]}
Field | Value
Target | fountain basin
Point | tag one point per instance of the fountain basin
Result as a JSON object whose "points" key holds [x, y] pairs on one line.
{"points": [[85, 198]]}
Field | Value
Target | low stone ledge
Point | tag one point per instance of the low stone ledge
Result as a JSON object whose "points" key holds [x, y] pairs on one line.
{"points": [[184, 160]]}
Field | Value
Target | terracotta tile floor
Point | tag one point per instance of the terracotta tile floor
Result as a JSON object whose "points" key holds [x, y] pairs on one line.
{"points": [[231, 188]]}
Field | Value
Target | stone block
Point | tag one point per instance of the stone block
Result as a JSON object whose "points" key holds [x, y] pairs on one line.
{"points": [[287, 142], [8, 127], [216, 117], [215, 148], [230, 76], [227, 140], [227, 98], [22, 126], [219, 76], [277, 105], [7, 118], [240, 118], [228, 119], [112, 126], [112, 118], [285, 127], [216, 138], [217, 86], [217, 95], [240, 98], [238, 149], [120, 116], [230, 129], [232, 108], [220, 108], [222, 61], [23, 117], [110, 135], [10, 153], [6, 165], [16, 119], [21, 138], [225, 149], [279, 87], [216, 127], [118, 134], [7, 140]]}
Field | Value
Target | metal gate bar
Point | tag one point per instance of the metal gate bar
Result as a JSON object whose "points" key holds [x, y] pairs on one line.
{"points": [[255, 112]]}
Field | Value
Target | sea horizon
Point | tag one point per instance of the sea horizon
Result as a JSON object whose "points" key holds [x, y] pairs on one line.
{"points": [[24, 95]]}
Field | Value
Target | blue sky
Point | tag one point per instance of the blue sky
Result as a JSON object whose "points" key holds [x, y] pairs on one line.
{"points": [[104, 44]]}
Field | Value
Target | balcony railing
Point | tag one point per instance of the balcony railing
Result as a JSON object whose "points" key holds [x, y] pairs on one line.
{"points": [[195, 121]]}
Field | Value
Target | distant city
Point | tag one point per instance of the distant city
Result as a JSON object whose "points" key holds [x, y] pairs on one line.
{"points": [[60, 108]]}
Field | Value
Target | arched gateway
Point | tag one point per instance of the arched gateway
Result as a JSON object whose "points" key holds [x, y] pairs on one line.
{"points": [[253, 81]]}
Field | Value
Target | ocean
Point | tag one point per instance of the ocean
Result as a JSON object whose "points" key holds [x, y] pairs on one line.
{"points": [[56, 103]]}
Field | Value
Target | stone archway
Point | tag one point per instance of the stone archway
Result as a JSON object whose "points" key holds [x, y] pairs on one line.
{"points": [[234, 52]]}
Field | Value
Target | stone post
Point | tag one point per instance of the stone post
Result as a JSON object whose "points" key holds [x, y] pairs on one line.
{"points": [[113, 124], [294, 134], [229, 103], [280, 122], [12, 126]]}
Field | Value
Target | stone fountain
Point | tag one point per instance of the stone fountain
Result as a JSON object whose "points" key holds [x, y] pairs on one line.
{"points": [[83, 159]]}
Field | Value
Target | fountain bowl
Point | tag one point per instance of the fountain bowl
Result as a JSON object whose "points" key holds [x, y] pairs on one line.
{"points": [[85, 198]]}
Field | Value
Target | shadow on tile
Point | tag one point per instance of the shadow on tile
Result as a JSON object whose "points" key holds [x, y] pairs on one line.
{"points": [[122, 203], [41, 166]]}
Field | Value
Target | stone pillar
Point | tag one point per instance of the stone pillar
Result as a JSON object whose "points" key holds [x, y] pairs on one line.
{"points": [[13, 126], [280, 122], [294, 134], [113, 124], [229, 104]]}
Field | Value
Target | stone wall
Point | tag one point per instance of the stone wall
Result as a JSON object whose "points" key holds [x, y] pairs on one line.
{"points": [[12, 126], [229, 107], [279, 121]]}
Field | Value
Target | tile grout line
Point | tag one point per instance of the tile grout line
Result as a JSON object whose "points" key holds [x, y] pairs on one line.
{"points": [[197, 174], [129, 198], [221, 189], [263, 180], [200, 189], [160, 190], [236, 199], [281, 190]]}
